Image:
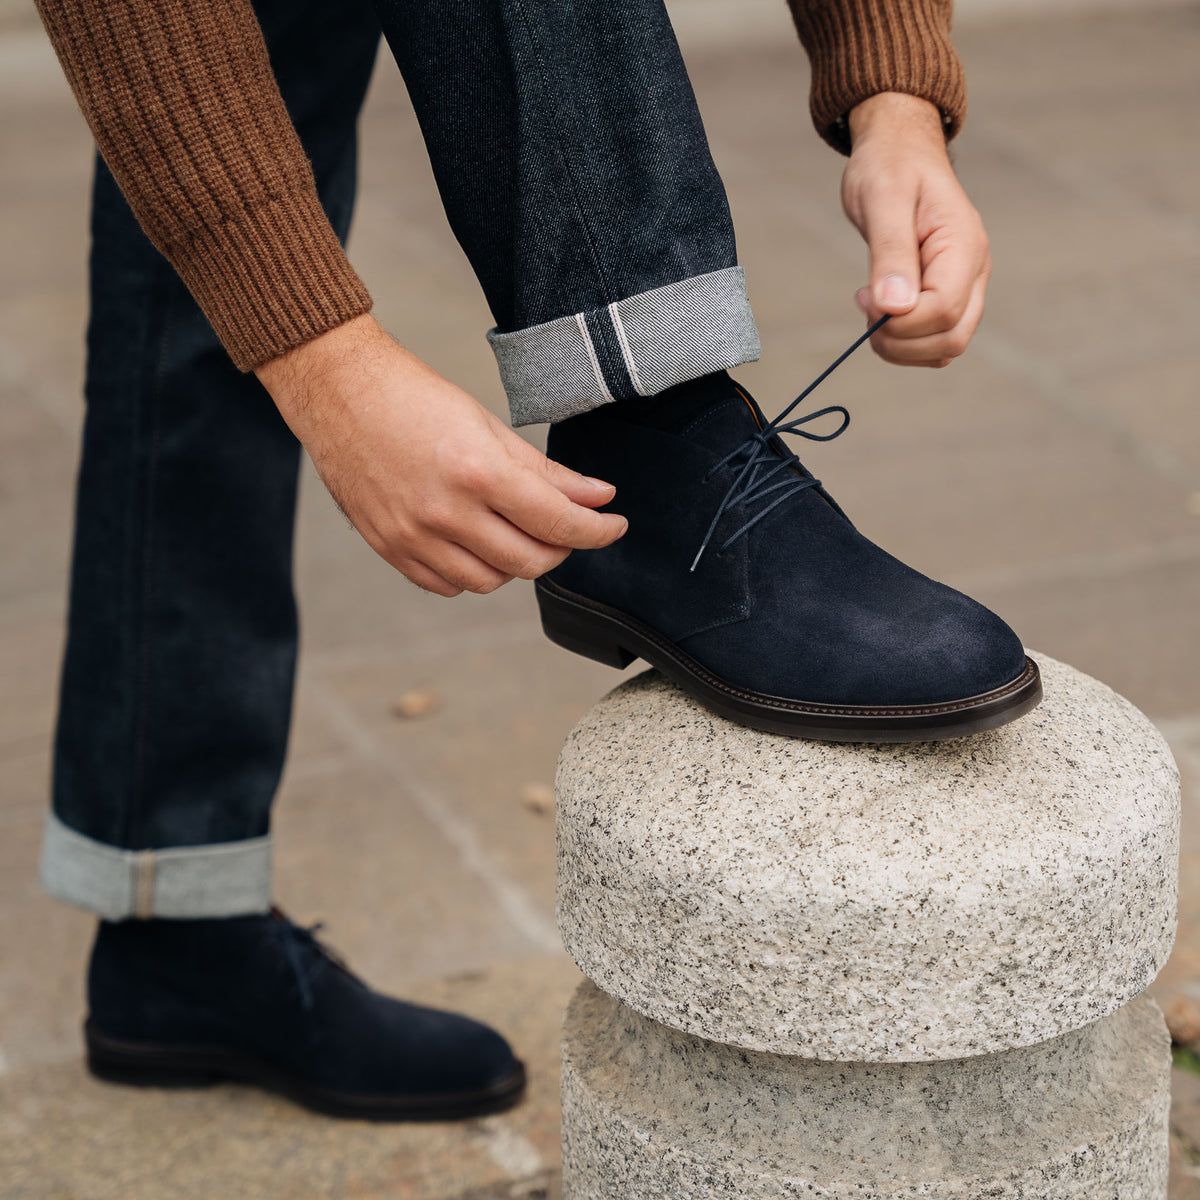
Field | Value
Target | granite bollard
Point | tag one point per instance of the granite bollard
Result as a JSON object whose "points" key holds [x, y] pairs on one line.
{"points": [[863, 970]]}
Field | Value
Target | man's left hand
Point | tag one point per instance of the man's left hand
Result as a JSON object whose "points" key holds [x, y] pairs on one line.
{"points": [[929, 252]]}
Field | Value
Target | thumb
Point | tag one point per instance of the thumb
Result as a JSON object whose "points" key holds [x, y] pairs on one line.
{"points": [[579, 489], [895, 257]]}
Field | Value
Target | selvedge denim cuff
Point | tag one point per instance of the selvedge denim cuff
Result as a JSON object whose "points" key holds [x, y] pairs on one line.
{"points": [[639, 346], [228, 879]]}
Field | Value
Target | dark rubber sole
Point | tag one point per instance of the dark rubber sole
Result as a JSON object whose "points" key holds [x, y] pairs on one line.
{"points": [[616, 639], [142, 1064]]}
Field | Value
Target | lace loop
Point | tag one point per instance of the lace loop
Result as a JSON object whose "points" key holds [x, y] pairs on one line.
{"points": [[756, 478]]}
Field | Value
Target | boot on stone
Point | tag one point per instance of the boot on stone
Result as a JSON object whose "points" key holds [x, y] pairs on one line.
{"points": [[743, 581]]}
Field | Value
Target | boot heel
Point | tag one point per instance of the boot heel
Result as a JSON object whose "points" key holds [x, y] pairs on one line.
{"points": [[150, 1066], [580, 632]]}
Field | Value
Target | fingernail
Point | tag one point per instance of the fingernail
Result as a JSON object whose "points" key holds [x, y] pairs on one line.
{"points": [[600, 483], [895, 289]]}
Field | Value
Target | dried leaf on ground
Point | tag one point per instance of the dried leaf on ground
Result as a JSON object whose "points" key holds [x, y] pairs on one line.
{"points": [[538, 798], [420, 702]]}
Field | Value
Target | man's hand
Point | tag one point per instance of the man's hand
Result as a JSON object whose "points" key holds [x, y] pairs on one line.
{"points": [[929, 252], [440, 488]]}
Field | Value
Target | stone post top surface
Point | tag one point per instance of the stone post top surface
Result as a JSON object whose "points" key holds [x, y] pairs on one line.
{"points": [[874, 902]]}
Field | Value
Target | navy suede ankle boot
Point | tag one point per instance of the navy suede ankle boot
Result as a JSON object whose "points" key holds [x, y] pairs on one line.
{"points": [[257, 999], [742, 581]]}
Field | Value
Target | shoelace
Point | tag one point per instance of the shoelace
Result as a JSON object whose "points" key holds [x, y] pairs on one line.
{"points": [[757, 478], [296, 939]]}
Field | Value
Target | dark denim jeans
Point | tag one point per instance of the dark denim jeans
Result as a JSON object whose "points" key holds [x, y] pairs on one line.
{"points": [[575, 173]]}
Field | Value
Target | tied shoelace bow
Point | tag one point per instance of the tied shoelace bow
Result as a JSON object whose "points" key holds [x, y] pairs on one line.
{"points": [[757, 478]]}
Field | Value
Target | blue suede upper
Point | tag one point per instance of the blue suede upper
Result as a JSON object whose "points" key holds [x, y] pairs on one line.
{"points": [[263, 987], [802, 605]]}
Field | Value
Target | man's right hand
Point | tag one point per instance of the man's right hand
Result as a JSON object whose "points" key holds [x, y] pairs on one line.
{"points": [[437, 485]]}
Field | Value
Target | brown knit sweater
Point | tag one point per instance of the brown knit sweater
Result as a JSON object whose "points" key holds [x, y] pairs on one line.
{"points": [[180, 97]]}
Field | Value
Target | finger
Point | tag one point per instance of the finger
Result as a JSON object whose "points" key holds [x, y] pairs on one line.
{"points": [[427, 579], [394, 552], [889, 226], [940, 308], [949, 286], [937, 350], [461, 568], [542, 511], [502, 545], [581, 489], [933, 350]]}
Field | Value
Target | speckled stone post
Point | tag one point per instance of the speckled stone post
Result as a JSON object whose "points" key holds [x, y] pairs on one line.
{"points": [[866, 971]]}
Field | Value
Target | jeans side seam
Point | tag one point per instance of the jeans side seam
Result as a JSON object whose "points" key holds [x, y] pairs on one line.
{"points": [[133, 830], [581, 320], [608, 354], [560, 143], [635, 379], [143, 884]]}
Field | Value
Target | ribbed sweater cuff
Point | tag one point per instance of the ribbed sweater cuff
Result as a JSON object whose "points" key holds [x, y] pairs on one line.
{"points": [[270, 277], [859, 48]]}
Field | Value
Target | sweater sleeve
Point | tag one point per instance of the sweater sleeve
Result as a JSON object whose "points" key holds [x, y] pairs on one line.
{"points": [[859, 48], [186, 112]]}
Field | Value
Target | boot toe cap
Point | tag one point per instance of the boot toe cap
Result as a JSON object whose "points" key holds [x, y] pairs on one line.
{"points": [[938, 648], [442, 1053]]}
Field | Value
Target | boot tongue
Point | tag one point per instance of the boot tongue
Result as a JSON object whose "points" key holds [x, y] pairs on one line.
{"points": [[712, 411], [732, 421], [725, 425]]}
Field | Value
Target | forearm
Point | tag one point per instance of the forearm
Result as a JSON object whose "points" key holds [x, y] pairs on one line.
{"points": [[860, 48], [180, 97]]}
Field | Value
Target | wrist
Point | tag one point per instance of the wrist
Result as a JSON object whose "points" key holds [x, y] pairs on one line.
{"points": [[290, 372], [896, 116]]}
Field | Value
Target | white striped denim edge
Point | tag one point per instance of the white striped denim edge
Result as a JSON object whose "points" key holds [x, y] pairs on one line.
{"points": [[665, 336]]}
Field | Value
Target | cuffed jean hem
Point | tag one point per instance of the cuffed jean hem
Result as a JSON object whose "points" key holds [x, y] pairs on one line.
{"points": [[639, 346], [228, 879]]}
